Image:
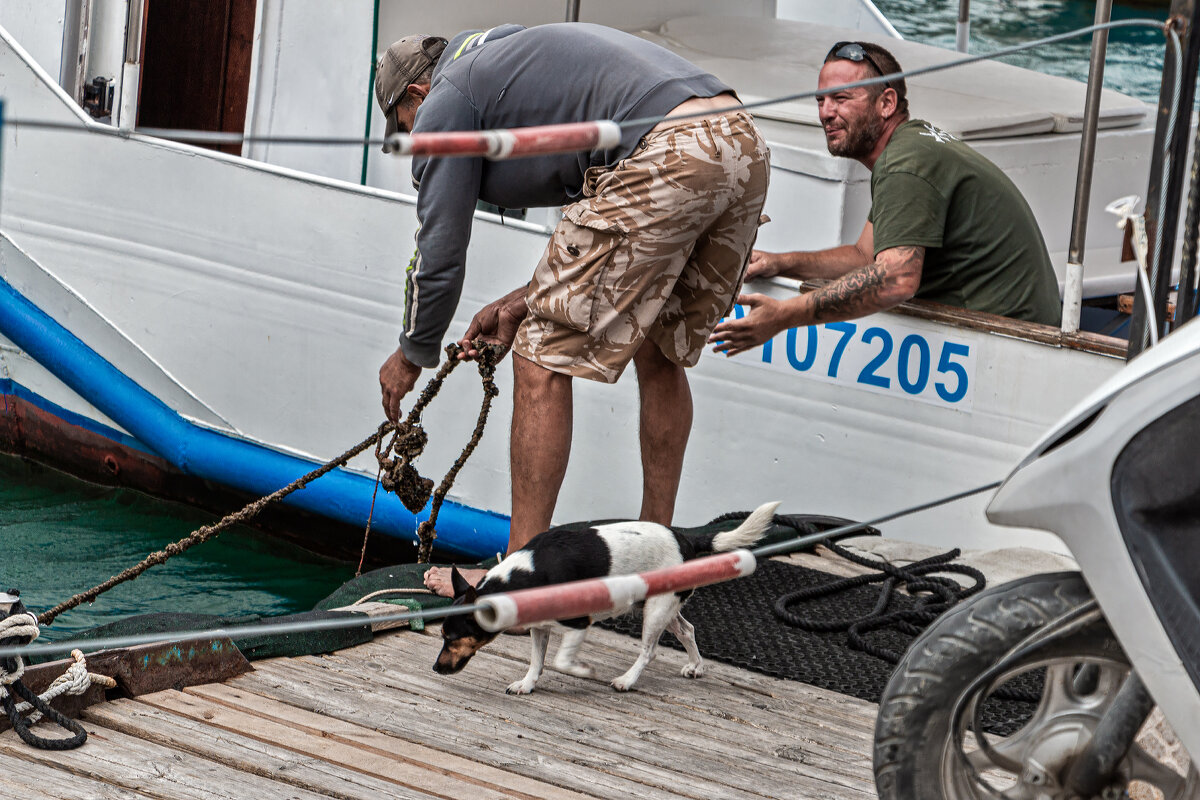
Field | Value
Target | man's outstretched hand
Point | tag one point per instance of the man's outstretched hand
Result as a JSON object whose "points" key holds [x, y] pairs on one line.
{"points": [[765, 318], [397, 377], [763, 265], [496, 323]]}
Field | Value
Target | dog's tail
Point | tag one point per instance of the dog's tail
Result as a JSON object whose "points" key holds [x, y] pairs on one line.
{"points": [[749, 532]]}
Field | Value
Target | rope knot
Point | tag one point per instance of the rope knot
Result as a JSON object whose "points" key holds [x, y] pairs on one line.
{"points": [[398, 474], [413, 488], [21, 628]]}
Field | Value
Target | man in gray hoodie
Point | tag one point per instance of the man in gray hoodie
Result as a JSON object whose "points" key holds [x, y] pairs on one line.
{"points": [[646, 260]]}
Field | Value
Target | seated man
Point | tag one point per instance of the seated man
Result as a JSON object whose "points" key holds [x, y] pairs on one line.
{"points": [[654, 239], [945, 223]]}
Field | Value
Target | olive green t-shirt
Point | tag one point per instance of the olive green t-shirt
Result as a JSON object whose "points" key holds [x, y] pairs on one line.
{"points": [[983, 248]]}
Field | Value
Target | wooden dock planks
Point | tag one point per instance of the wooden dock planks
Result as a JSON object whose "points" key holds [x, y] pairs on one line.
{"points": [[376, 721]]}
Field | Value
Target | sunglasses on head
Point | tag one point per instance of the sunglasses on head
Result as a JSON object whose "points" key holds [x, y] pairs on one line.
{"points": [[853, 51]]}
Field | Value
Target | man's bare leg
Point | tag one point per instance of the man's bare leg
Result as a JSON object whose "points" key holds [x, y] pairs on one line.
{"points": [[665, 424], [539, 447]]}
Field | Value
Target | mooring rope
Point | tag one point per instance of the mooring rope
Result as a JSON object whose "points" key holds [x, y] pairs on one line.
{"points": [[76, 680], [937, 595], [206, 532], [399, 475], [23, 625]]}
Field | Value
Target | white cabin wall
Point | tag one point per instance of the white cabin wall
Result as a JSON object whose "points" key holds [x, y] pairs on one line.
{"points": [[399, 18], [38, 26], [311, 77], [809, 213]]}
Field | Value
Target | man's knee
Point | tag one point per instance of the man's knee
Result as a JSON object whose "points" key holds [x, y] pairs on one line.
{"points": [[650, 361], [533, 380]]}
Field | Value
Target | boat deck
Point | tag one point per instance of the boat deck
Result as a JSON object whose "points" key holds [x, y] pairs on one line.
{"points": [[376, 721]]}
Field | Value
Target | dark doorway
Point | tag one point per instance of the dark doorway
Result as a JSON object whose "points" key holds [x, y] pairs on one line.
{"points": [[196, 65]]}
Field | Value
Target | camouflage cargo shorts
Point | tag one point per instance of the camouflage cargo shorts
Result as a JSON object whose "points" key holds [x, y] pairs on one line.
{"points": [[655, 249]]}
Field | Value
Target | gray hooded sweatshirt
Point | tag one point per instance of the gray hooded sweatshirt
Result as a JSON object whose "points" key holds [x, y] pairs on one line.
{"points": [[511, 77]]}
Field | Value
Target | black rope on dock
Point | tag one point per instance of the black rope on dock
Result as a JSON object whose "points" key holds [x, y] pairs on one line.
{"points": [[934, 595], [21, 724], [19, 627]]}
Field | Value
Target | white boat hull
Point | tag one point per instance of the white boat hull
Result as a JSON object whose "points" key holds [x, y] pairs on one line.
{"points": [[257, 303]]}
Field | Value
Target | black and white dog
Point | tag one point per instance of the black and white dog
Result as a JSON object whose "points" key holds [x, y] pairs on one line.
{"points": [[569, 554]]}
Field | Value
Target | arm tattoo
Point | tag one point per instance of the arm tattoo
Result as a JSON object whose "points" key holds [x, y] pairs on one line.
{"points": [[861, 292], [846, 296]]}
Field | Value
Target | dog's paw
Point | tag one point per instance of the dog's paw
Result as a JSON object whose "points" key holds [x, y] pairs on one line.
{"points": [[577, 668], [623, 684], [692, 670], [520, 687]]}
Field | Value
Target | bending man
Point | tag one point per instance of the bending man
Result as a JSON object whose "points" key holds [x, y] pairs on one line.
{"points": [[945, 223], [649, 254]]}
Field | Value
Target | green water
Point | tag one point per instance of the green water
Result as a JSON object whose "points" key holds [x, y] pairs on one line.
{"points": [[1134, 59], [59, 536]]}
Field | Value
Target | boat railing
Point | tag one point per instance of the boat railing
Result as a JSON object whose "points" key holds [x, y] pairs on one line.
{"points": [[962, 29], [1165, 189]]}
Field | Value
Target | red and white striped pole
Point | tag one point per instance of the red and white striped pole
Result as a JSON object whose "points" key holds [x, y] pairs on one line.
{"points": [[500, 144], [616, 593]]}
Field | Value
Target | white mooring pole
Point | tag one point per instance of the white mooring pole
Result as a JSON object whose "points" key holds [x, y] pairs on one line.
{"points": [[1073, 281]]}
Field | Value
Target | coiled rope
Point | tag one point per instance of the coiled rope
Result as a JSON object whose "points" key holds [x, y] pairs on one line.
{"points": [[936, 594], [22, 628]]}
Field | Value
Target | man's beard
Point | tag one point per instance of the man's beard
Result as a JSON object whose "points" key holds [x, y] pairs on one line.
{"points": [[858, 139]]}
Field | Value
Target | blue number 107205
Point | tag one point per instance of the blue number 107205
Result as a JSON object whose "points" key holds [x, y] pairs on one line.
{"points": [[912, 359]]}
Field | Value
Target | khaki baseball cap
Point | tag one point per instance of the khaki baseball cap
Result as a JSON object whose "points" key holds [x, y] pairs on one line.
{"points": [[399, 65]]}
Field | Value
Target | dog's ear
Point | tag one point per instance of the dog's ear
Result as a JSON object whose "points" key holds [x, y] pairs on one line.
{"points": [[460, 585]]}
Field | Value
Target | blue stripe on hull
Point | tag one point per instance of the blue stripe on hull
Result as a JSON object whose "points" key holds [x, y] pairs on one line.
{"points": [[240, 464]]}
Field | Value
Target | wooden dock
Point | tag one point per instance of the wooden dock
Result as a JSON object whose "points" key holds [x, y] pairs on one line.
{"points": [[375, 721]]}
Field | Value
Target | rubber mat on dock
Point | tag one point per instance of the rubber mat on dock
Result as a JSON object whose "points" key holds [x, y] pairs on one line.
{"points": [[735, 623]]}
